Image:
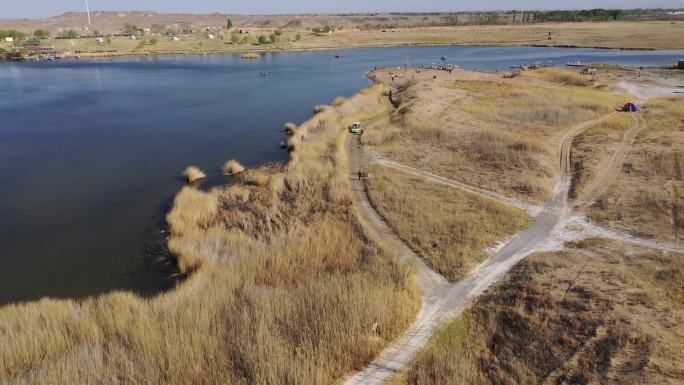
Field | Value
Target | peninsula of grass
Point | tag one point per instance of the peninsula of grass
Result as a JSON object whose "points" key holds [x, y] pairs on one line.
{"points": [[280, 287]]}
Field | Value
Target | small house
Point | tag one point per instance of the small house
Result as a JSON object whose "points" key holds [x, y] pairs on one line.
{"points": [[133, 37], [175, 38], [99, 40], [211, 37], [9, 39]]}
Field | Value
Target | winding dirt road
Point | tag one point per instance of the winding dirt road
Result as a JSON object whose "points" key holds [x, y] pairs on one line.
{"points": [[441, 299], [606, 175], [445, 300], [566, 141]]}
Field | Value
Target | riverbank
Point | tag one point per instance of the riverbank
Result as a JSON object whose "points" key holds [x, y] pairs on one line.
{"points": [[606, 35], [281, 283]]}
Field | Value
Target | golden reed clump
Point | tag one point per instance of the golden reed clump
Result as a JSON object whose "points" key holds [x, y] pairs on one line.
{"points": [[233, 167], [193, 173]]}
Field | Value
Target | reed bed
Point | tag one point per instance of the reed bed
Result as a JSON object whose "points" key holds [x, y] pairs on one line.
{"points": [[280, 287]]}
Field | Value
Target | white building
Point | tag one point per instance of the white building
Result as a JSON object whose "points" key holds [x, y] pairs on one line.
{"points": [[99, 40], [9, 39], [211, 37]]}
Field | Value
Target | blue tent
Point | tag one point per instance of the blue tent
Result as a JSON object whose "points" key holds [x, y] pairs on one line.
{"points": [[630, 107]]}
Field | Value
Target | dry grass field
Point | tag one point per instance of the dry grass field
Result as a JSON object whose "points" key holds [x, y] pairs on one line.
{"points": [[599, 313], [280, 287], [593, 149], [451, 229], [487, 131], [619, 34], [647, 197]]}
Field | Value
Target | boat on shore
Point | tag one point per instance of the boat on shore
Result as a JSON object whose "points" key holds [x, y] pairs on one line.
{"points": [[577, 63]]}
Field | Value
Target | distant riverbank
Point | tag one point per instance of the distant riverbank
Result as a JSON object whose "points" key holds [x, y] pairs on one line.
{"points": [[604, 35]]}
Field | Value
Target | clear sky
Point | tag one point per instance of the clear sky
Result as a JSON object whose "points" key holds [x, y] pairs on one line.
{"points": [[11, 9]]}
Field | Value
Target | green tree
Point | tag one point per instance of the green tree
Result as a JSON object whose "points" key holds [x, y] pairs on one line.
{"points": [[12, 33], [454, 20], [153, 41], [245, 40], [229, 24], [263, 40], [235, 39], [278, 32], [129, 29], [298, 37], [70, 34], [96, 33], [41, 34], [273, 38]]}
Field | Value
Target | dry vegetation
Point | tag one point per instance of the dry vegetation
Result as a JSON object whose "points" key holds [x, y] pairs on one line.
{"points": [[280, 287], [484, 130], [622, 34], [593, 148], [233, 167], [568, 78], [451, 229], [601, 313], [648, 197], [193, 173]]}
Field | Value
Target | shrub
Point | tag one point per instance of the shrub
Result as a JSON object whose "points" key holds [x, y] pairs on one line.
{"points": [[319, 108], [233, 167], [339, 101], [193, 173], [290, 128]]}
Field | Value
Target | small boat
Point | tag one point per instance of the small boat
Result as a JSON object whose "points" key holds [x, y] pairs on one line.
{"points": [[444, 58], [576, 63], [263, 73], [338, 56]]}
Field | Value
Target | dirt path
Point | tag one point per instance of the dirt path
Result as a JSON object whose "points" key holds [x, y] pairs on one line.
{"points": [[608, 174], [441, 299], [533, 209], [566, 141]]}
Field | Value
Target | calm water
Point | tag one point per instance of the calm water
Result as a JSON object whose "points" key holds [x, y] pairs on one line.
{"points": [[91, 151]]}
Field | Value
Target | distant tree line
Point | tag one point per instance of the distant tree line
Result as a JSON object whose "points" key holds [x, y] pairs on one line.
{"points": [[17, 35], [597, 14]]}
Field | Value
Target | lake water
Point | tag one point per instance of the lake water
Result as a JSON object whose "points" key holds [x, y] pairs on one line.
{"points": [[91, 151]]}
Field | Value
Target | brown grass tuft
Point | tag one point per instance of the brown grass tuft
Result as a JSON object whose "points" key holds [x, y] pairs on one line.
{"points": [[339, 101], [290, 128], [233, 167], [193, 173]]}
